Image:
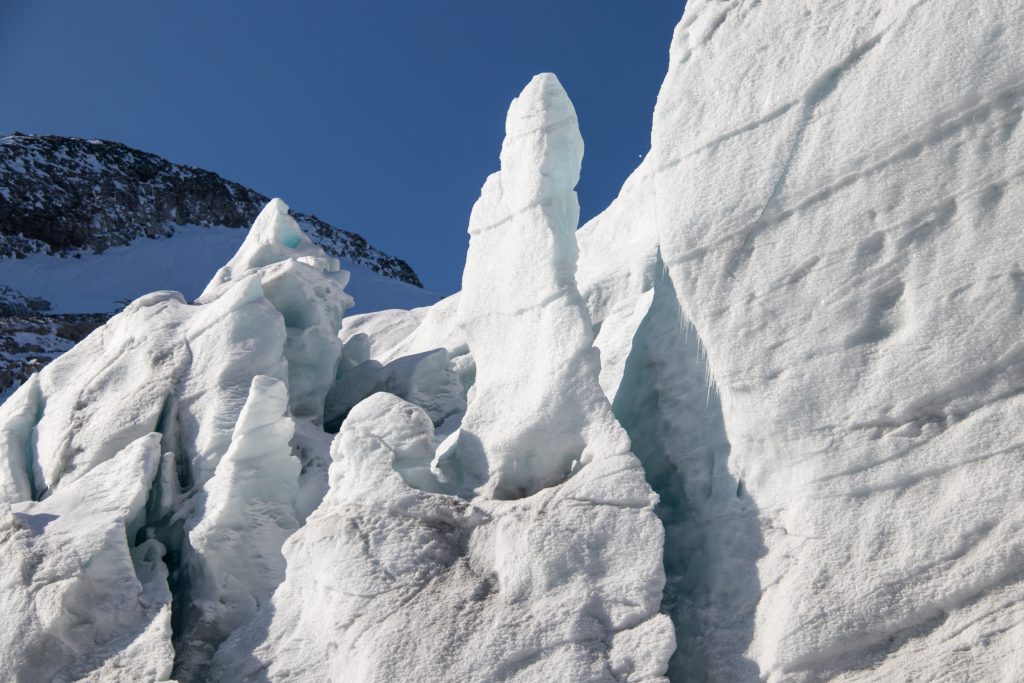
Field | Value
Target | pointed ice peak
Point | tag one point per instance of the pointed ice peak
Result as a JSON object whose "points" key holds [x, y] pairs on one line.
{"points": [[266, 406], [538, 412], [543, 149], [274, 237]]}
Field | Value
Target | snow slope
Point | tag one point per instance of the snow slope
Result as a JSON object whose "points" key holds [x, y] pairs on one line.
{"points": [[183, 262]]}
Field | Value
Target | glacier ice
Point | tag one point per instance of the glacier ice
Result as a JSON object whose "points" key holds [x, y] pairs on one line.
{"points": [[307, 288], [81, 599], [561, 580], [228, 395], [851, 279], [387, 581], [538, 412], [426, 379], [755, 421], [233, 553]]}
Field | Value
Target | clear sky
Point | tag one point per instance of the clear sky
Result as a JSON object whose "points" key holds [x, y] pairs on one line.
{"points": [[381, 117]]}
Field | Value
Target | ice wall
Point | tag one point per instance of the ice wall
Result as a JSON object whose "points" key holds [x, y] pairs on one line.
{"points": [[834, 188], [839, 191], [804, 309]]}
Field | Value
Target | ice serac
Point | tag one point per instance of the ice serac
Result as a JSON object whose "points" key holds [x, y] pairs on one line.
{"points": [[538, 412], [307, 287], [839, 192], [551, 570], [233, 556], [388, 582], [81, 599], [227, 396]]}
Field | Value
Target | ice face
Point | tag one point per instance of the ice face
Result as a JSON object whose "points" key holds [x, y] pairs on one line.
{"points": [[274, 237], [389, 581], [84, 597], [307, 288], [425, 379], [808, 308], [836, 209], [18, 466], [233, 554], [841, 224], [219, 404]]}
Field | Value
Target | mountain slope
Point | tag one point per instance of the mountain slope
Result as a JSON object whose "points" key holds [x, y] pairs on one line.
{"points": [[60, 195]]}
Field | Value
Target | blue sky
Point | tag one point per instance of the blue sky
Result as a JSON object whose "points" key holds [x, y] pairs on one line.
{"points": [[381, 117]]}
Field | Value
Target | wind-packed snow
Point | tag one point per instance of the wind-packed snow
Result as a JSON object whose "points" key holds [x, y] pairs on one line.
{"points": [[756, 421]]}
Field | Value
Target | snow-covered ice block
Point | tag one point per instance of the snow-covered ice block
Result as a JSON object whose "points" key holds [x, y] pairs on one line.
{"points": [[307, 287], [552, 569], [839, 191], [425, 379], [79, 599], [274, 237], [390, 582]]}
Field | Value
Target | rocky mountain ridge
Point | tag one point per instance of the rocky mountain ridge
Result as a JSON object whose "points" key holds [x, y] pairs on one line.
{"points": [[61, 195]]}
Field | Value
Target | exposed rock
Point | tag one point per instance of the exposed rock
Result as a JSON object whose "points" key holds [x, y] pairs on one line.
{"points": [[61, 195]]}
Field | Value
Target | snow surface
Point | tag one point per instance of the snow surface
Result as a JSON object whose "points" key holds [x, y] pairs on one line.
{"points": [[183, 262], [771, 404]]}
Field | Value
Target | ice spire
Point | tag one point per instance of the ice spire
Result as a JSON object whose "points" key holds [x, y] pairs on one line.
{"points": [[538, 411]]}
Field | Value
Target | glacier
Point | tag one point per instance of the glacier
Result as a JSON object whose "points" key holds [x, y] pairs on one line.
{"points": [[754, 421]]}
